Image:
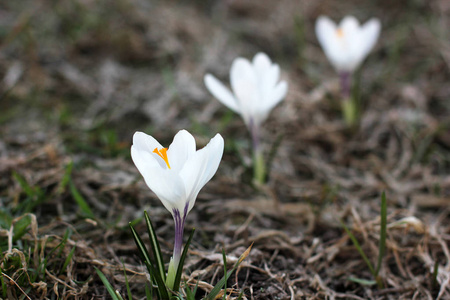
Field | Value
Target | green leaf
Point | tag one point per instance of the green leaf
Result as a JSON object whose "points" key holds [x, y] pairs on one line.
{"points": [[383, 225], [154, 273], [435, 273], [130, 297], [162, 289], [24, 185], [2, 283], [155, 246], [190, 294], [114, 295], [66, 236], [358, 247], [224, 257], [136, 221], [141, 247], [176, 284], [215, 291], [66, 178], [149, 292], [362, 281], [21, 227], [68, 259], [85, 209], [5, 220], [35, 195]]}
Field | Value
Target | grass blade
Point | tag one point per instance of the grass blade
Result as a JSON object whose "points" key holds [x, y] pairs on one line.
{"points": [[141, 247], [63, 243], [21, 227], [66, 178], [3, 284], [190, 294], [435, 273], [130, 297], [162, 289], [215, 291], [358, 247], [68, 260], [176, 284], [383, 225], [241, 294], [224, 272], [24, 185], [154, 274], [149, 292], [155, 246], [85, 209], [362, 281], [114, 295]]}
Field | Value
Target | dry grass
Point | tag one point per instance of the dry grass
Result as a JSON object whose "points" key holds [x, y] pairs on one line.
{"points": [[80, 77]]}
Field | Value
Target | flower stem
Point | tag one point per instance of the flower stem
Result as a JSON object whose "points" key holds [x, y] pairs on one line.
{"points": [[178, 244], [179, 231], [259, 166], [349, 111], [349, 107], [346, 84]]}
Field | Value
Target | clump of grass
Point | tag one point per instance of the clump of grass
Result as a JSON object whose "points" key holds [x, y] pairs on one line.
{"points": [[159, 283], [29, 262], [381, 250]]}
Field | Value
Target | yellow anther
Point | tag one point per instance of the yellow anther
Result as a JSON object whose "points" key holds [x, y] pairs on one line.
{"points": [[340, 32], [163, 154]]}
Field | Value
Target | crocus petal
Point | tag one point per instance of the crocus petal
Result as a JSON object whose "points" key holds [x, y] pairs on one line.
{"points": [[221, 92], [267, 81], [241, 76], [369, 34], [145, 144], [334, 46], [349, 25], [277, 94], [168, 186], [274, 97], [182, 147], [245, 86], [201, 167], [325, 32], [143, 160], [261, 63]]}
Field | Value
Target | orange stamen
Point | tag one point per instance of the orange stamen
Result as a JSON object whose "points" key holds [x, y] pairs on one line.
{"points": [[163, 154], [340, 32]]}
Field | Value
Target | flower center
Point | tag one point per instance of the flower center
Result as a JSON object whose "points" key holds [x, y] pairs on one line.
{"points": [[163, 154], [340, 33]]}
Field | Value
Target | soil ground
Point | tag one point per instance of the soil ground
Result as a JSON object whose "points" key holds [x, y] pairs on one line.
{"points": [[79, 77]]}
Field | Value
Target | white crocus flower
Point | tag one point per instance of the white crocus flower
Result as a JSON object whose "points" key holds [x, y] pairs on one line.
{"points": [[177, 174], [256, 88], [348, 44]]}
